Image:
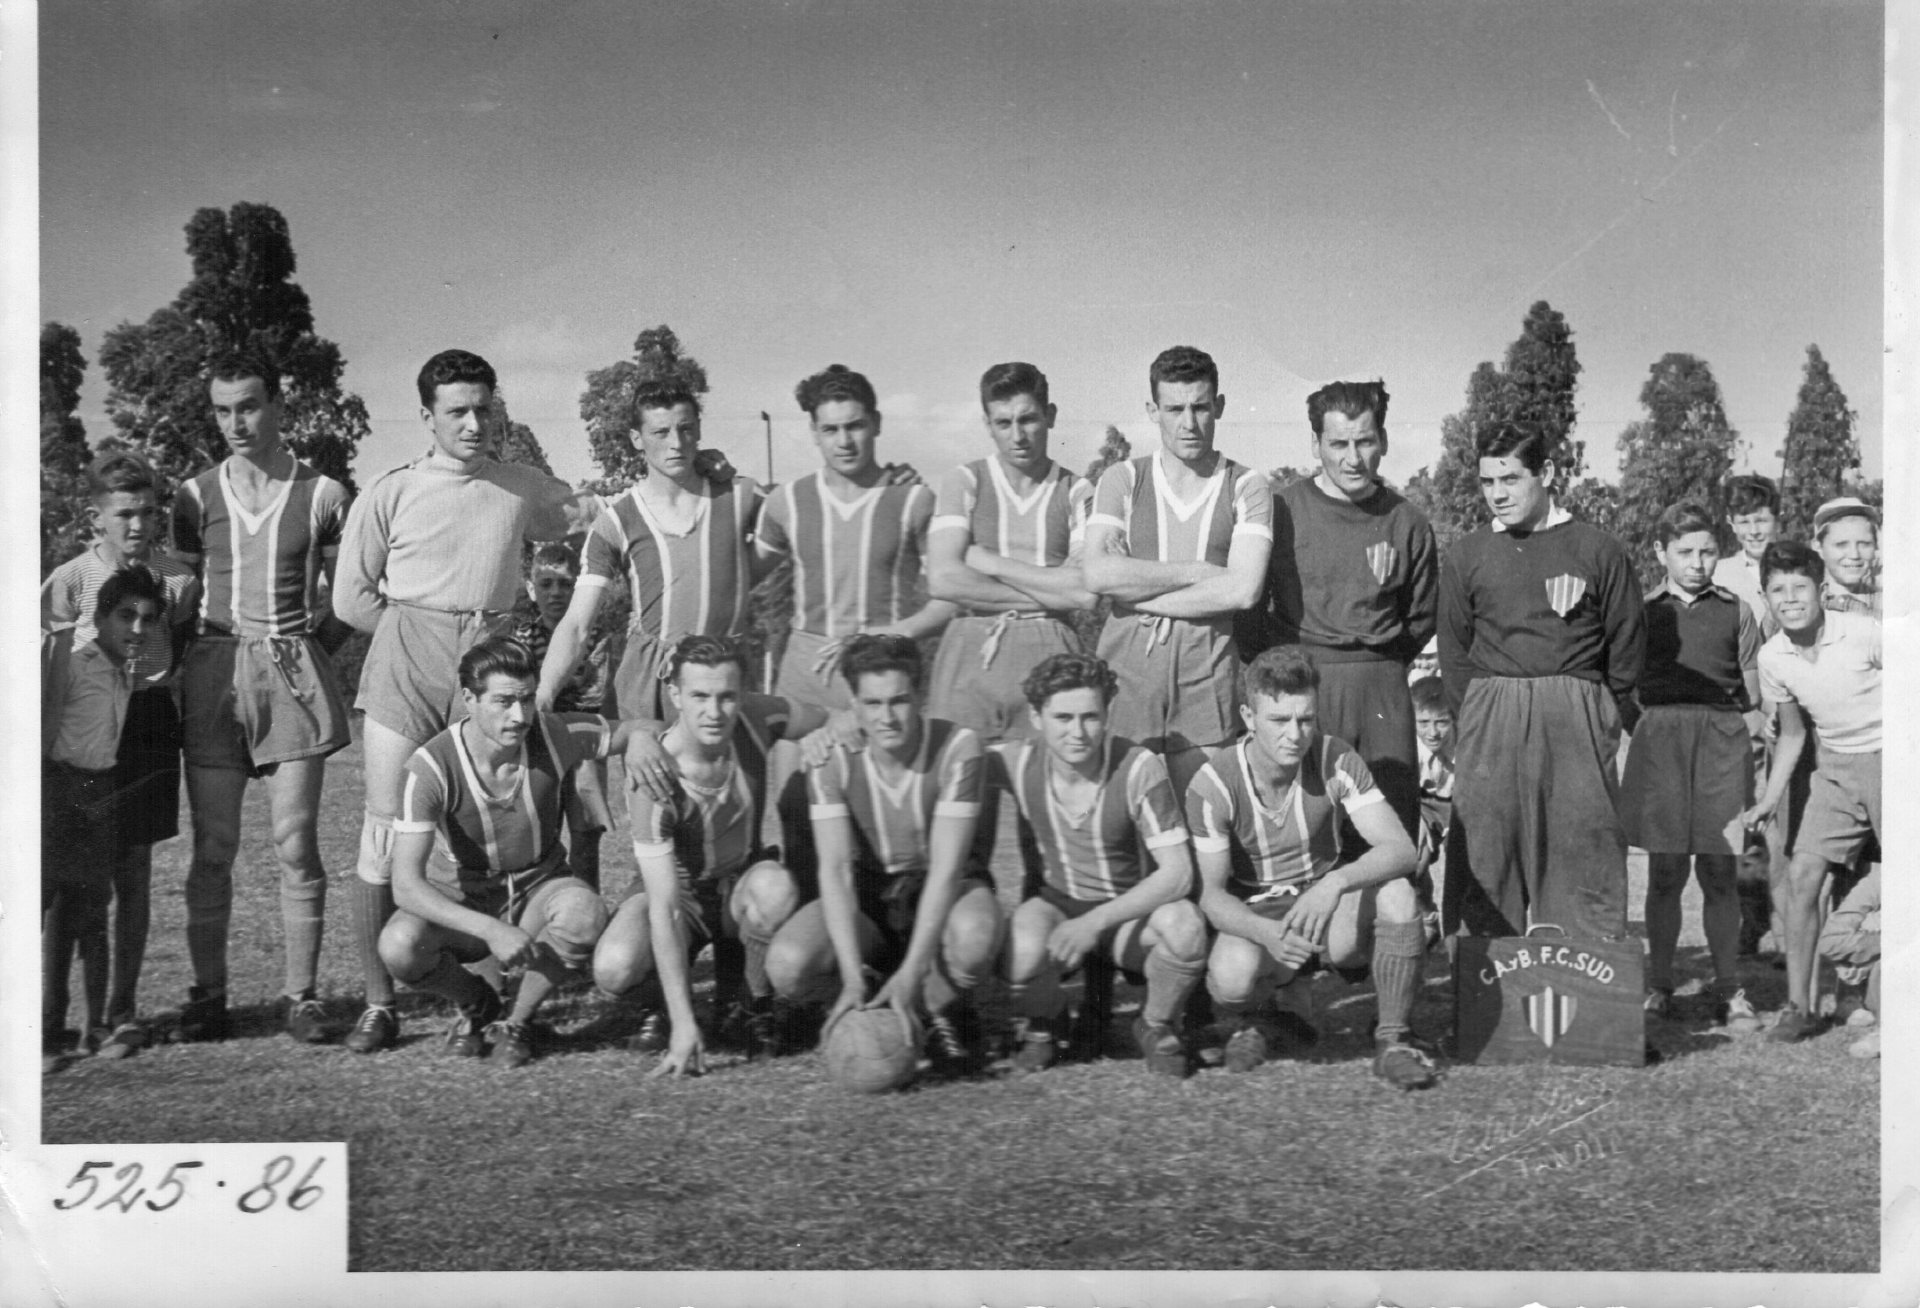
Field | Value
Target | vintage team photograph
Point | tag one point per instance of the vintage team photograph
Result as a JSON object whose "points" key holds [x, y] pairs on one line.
{"points": [[1159, 637]]}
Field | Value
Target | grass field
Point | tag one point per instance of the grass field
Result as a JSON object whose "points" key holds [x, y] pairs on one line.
{"points": [[1728, 1155]]}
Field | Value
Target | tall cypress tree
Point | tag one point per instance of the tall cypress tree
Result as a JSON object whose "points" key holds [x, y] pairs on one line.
{"points": [[1820, 451]]}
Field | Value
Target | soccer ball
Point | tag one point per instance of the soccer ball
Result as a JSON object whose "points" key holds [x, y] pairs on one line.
{"points": [[872, 1050]]}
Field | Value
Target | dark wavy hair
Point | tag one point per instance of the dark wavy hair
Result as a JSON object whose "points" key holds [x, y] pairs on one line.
{"points": [[1790, 557], [660, 393], [1513, 440], [1282, 670], [836, 382], [497, 656], [451, 368], [869, 653], [1350, 399], [1682, 519], [1181, 363], [1062, 672], [120, 471], [1003, 381], [131, 582], [1750, 492], [238, 365], [705, 652]]}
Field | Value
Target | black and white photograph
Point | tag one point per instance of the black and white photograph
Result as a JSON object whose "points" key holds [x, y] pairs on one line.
{"points": [[1147, 652]]}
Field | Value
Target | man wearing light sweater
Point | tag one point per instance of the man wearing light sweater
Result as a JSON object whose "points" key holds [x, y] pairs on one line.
{"points": [[429, 564]]}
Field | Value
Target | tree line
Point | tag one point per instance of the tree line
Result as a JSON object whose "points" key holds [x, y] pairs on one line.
{"points": [[242, 295]]}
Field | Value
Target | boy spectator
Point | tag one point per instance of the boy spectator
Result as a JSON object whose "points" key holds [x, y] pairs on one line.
{"points": [[126, 514], [1846, 531], [1753, 516], [551, 576], [1094, 810], [1824, 666], [1433, 742], [1277, 886], [86, 687], [1689, 772]]}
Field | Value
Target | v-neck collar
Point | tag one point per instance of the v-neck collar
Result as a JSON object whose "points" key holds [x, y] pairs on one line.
{"points": [[1004, 484], [480, 789], [254, 521], [1184, 510], [895, 792], [846, 510], [702, 500]]}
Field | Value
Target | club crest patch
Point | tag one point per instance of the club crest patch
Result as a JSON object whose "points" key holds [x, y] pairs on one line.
{"points": [[1381, 557], [1550, 1015], [1564, 592]]}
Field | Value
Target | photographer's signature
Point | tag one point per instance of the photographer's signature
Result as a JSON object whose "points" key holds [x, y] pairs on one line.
{"points": [[1565, 1127]]}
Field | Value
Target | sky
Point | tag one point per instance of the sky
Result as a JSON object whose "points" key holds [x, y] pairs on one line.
{"points": [[1306, 191]]}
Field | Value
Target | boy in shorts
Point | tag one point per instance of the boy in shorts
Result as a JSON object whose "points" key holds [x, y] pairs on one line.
{"points": [[1004, 545], [487, 791], [1094, 808], [258, 694], [1689, 770], [1178, 540], [705, 877], [126, 514], [894, 823], [1824, 666], [430, 563], [86, 687], [1279, 888]]}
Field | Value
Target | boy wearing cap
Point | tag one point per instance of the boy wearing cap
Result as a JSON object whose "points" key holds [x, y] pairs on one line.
{"points": [[1846, 531]]}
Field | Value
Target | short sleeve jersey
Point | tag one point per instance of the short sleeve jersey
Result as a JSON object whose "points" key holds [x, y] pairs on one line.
{"points": [[1840, 690], [688, 583], [260, 573], [1294, 843], [712, 833], [1044, 527], [857, 563], [69, 597], [1156, 524], [1102, 853], [892, 819], [489, 836]]}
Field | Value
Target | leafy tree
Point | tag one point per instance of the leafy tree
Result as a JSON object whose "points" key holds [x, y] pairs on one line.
{"points": [[1115, 448], [242, 296], [1286, 475], [605, 403], [514, 442], [1534, 387], [65, 524], [1820, 450], [1596, 502], [1682, 450]]}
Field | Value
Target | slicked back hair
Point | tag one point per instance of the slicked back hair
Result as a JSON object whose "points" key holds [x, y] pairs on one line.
{"points": [[1750, 492], [871, 653], [1062, 672], [1181, 363], [131, 582], [1791, 558], [120, 471], [660, 393], [1003, 381], [836, 382], [497, 656], [451, 368], [238, 365], [1429, 693], [1683, 519], [557, 556], [1350, 399], [705, 652], [1282, 670], [1513, 440]]}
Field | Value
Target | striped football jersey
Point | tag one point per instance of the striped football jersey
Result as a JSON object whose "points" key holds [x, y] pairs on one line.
{"points": [[1046, 527], [260, 573], [1102, 853], [1295, 842], [716, 833], [857, 563], [489, 836], [1135, 498], [690, 583], [892, 820]]}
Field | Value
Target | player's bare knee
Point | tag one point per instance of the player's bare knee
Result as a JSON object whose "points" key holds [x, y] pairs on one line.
{"points": [[1805, 875], [765, 898], [1233, 968], [404, 949], [575, 920], [972, 931], [1396, 901], [1180, 931]]}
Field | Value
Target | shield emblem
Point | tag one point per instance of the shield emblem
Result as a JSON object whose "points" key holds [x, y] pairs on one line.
{"points": [[1381, 557], [1550, 1014], [1564, 592]]}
